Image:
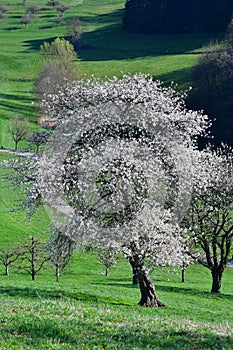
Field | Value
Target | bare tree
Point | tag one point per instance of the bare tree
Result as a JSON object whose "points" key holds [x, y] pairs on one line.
{"points": [[8, 256], [32, 256], [18, 130], [75, 29], [26, 19], [33, 8], [53, 3], [61, 8], [60, 250]]}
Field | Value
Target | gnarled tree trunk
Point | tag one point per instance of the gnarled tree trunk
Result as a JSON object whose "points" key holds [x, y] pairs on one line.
{"points": [[147, 288]]}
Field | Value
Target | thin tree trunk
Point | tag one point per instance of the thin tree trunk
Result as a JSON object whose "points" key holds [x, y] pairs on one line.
{"points": [[57, 272], [216, 280], [6, 270], [147, 288], [183, 269]]}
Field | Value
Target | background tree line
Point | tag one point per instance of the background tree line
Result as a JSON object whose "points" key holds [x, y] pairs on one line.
{"points": [[177, 16], [213, 87]]}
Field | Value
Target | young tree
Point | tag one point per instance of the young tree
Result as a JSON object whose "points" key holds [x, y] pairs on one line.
{"points": [[59, 49], [3, 8], [59, 69], [26, 19], [59, 250], [108, 257], [75, 29], [53, 3], [211, 209], [8, 256], [18, 130], [32, 256], [62, 8], [38, 139], [33, 9]]}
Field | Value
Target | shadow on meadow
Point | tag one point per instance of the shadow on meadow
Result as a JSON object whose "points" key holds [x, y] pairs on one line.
{"points": [[58, 294], [16, 103], [111, 42]]}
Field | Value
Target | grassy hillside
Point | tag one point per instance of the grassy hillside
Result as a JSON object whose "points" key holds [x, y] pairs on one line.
{"points": [[109, 51]]}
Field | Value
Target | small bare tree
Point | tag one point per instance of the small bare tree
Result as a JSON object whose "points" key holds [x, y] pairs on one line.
{"points": [[75, 29], [60, 250], [32, 256], [18, 130], [53, 3], [61, 8], [32, 9], [8, 256], [26, 19]]}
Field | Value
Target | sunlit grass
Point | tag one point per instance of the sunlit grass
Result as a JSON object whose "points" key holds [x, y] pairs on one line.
{"points": [[87, 310]]}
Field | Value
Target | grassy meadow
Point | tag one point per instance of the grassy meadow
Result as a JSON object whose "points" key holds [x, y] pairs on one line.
{"points": [[87, 310]]}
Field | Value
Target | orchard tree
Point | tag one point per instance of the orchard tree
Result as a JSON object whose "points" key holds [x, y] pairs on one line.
{"points": [[59, 250], [33, 9], [59, 49], [8, 256], [59, 69], [32, 256], [121, 168], [108, 257], [18, 130], [75, 29], [38, 139], [22, 173], [210, 215], [53, 3], [26, 19], [61, 8]]}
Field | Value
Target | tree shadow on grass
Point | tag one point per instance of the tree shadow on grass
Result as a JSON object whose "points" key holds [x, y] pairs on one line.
{"points": [[169, 289], [58, 294], [111, 42], [194, 292], [7, 103]]}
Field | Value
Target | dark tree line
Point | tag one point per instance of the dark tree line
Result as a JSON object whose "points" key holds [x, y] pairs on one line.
{"points": [[212, 81], [177, 16]]}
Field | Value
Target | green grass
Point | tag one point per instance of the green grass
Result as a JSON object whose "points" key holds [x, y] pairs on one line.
{"points": [[87, 310]]}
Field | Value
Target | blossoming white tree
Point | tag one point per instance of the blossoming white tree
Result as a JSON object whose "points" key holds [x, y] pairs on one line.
{"points": [[118, 169]]}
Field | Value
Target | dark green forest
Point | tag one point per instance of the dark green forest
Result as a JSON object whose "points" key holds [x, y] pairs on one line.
{"points": [[177, 16]]}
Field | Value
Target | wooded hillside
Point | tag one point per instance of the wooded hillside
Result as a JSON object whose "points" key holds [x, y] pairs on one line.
{"points": [[177, 16]]}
